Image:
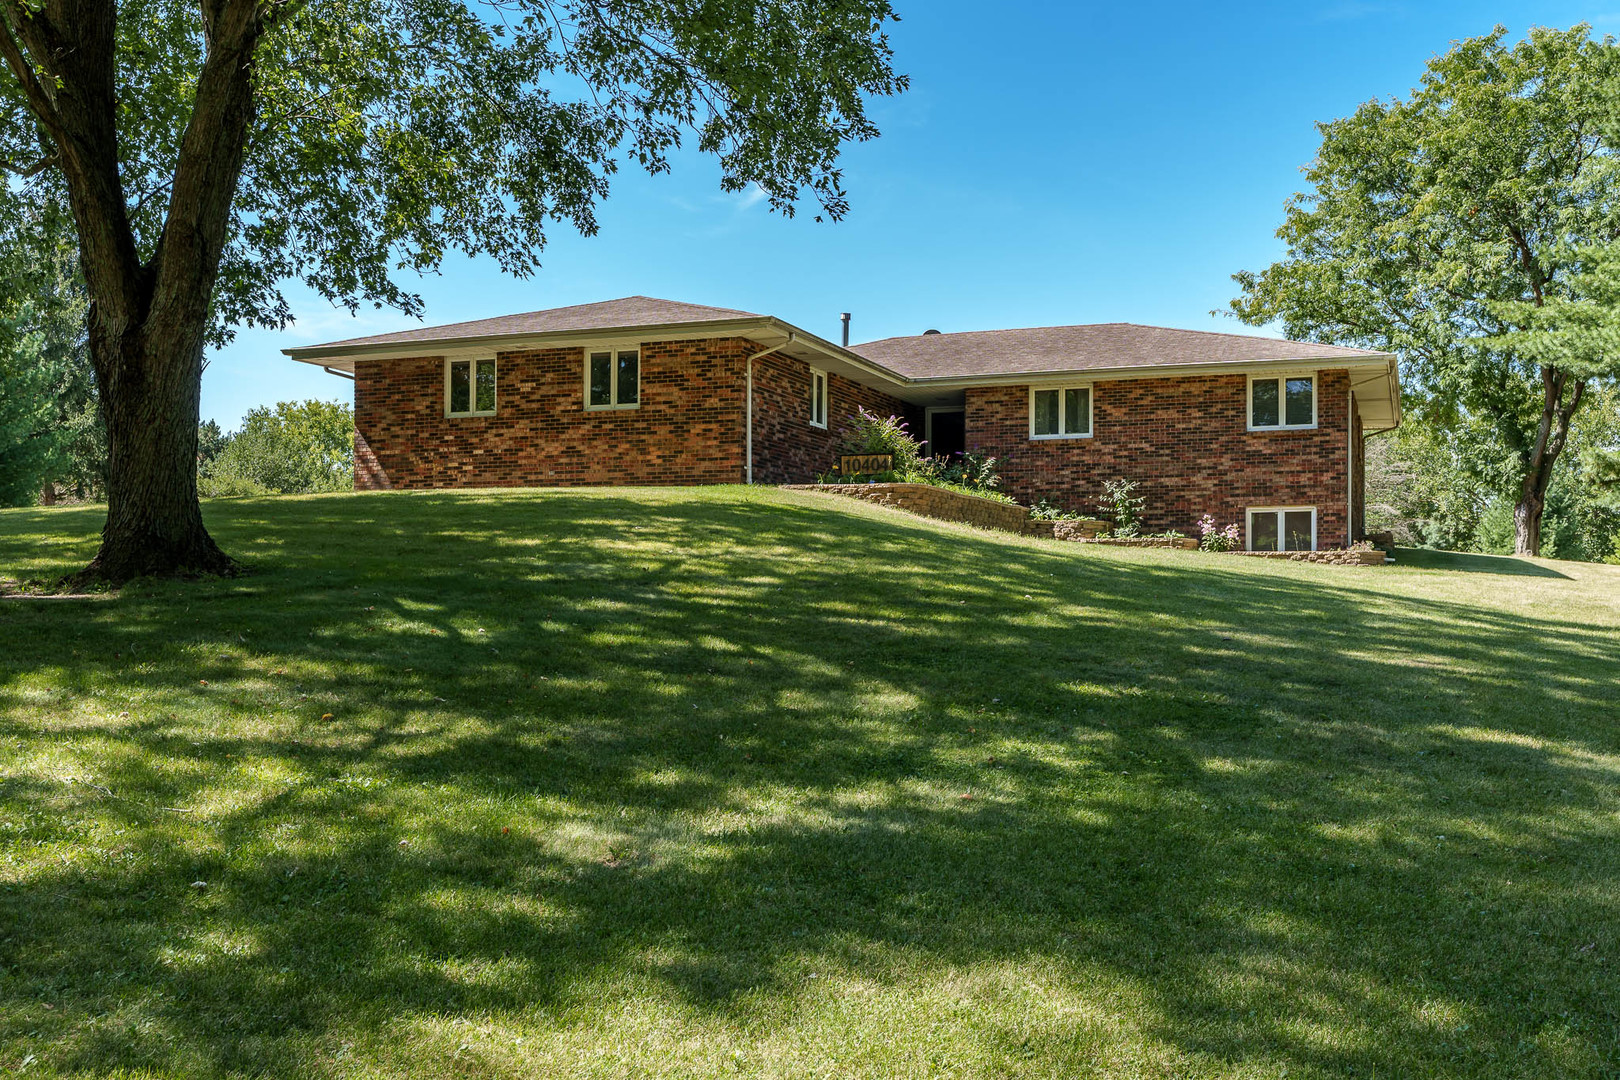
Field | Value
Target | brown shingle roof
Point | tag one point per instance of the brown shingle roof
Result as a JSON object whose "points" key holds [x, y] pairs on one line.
{"points": [[606, 315], [1080, 348]]}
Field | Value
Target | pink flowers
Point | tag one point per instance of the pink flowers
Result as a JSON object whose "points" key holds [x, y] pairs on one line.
{"points": [[1213, 538]]}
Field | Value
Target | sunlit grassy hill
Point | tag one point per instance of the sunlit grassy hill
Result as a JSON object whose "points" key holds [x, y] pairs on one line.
{"points": [[739, 781]]}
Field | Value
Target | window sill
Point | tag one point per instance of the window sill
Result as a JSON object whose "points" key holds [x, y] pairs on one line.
{"points": [[819, 427], [1273, 429], [467, 415], [1048, 438], [612, 408]]}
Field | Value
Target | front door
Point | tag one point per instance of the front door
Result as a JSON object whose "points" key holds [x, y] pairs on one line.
{"points": [[947, 433]]}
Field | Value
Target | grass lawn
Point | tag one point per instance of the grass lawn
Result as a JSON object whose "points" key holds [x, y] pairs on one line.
{"points": [[725, 781]]}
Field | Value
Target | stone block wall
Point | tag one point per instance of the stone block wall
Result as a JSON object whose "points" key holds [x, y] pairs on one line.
{"points": [[934, 502]]}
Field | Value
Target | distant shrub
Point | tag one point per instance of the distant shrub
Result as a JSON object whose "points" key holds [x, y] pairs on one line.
{"points": [[297, 448]]}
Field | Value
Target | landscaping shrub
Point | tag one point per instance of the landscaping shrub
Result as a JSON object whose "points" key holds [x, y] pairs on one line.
{"points": [[974, 473], [1123, 506], [975, 470], [870, 433], [1047, 510], [1214, 538]]}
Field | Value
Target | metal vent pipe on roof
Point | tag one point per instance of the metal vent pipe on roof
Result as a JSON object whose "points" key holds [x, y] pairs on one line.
{"points": [[844, 318]]}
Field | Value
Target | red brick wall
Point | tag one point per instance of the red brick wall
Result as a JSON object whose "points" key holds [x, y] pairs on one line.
{"points": [[688, 430], [787, 449], [1184, 441]]}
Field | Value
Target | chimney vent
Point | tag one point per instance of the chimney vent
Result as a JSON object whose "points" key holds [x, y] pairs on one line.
{"points": [[844, 318], [927, 332]]}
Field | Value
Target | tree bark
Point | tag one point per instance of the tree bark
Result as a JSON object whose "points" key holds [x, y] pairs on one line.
{"points": [[1527, 516], [1551, 435], [154, 521]]}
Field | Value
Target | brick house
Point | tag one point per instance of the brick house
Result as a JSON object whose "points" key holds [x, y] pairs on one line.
{"points": [[1267, 433]]}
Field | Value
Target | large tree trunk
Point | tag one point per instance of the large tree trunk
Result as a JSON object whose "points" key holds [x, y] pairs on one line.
{"points": [[154, 522]]}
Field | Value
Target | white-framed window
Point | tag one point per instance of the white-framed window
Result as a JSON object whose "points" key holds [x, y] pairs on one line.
{"points": [[613, 377], [1282, 528], [1282, 402], [818, 398], [469, 387], [1060, 412]]}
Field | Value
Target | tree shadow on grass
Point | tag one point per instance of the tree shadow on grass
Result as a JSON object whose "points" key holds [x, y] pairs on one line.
{"points": [[1429, 559], [729, 755]]}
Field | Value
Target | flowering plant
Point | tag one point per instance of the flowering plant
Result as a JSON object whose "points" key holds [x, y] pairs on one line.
{"points": [[1214, 538]]}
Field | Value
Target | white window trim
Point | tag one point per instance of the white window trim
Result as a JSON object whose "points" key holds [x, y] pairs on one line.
{"points": [[1281, 379], [826, 398], [613, 348], [1278, 511], [1091, 411], [472, 363]]}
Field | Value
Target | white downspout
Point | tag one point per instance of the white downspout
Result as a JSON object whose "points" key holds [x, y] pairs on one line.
{"points": [[1350, 471], [749, 438]]}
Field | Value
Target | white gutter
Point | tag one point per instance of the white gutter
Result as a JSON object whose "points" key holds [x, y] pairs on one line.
{"points": [[750, 393]]}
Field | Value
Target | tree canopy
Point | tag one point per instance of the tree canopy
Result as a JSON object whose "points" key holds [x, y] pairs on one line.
{"points": [[212, 150], [1463, 228]]}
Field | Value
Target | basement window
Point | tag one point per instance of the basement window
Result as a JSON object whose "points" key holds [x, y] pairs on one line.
{"points": [[818, 398], [613, 378], [469, 387], [1282, 528], [1281, 402], [1062, 412]]}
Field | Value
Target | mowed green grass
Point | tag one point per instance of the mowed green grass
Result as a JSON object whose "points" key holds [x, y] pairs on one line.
{"points": [[744, 782]]}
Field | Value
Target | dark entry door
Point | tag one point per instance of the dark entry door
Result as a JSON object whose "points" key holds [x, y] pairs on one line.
{"points": [[947, 433]]}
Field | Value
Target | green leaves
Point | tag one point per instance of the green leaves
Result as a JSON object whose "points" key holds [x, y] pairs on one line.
{"points": [[297, 448], [49, 428], [389, 132]]}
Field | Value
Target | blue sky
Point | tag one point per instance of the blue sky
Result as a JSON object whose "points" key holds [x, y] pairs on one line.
{"points": [[1053, 163]]}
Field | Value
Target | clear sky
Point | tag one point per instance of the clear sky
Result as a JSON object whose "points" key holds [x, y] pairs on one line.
{"points": [[1053, 163]]}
